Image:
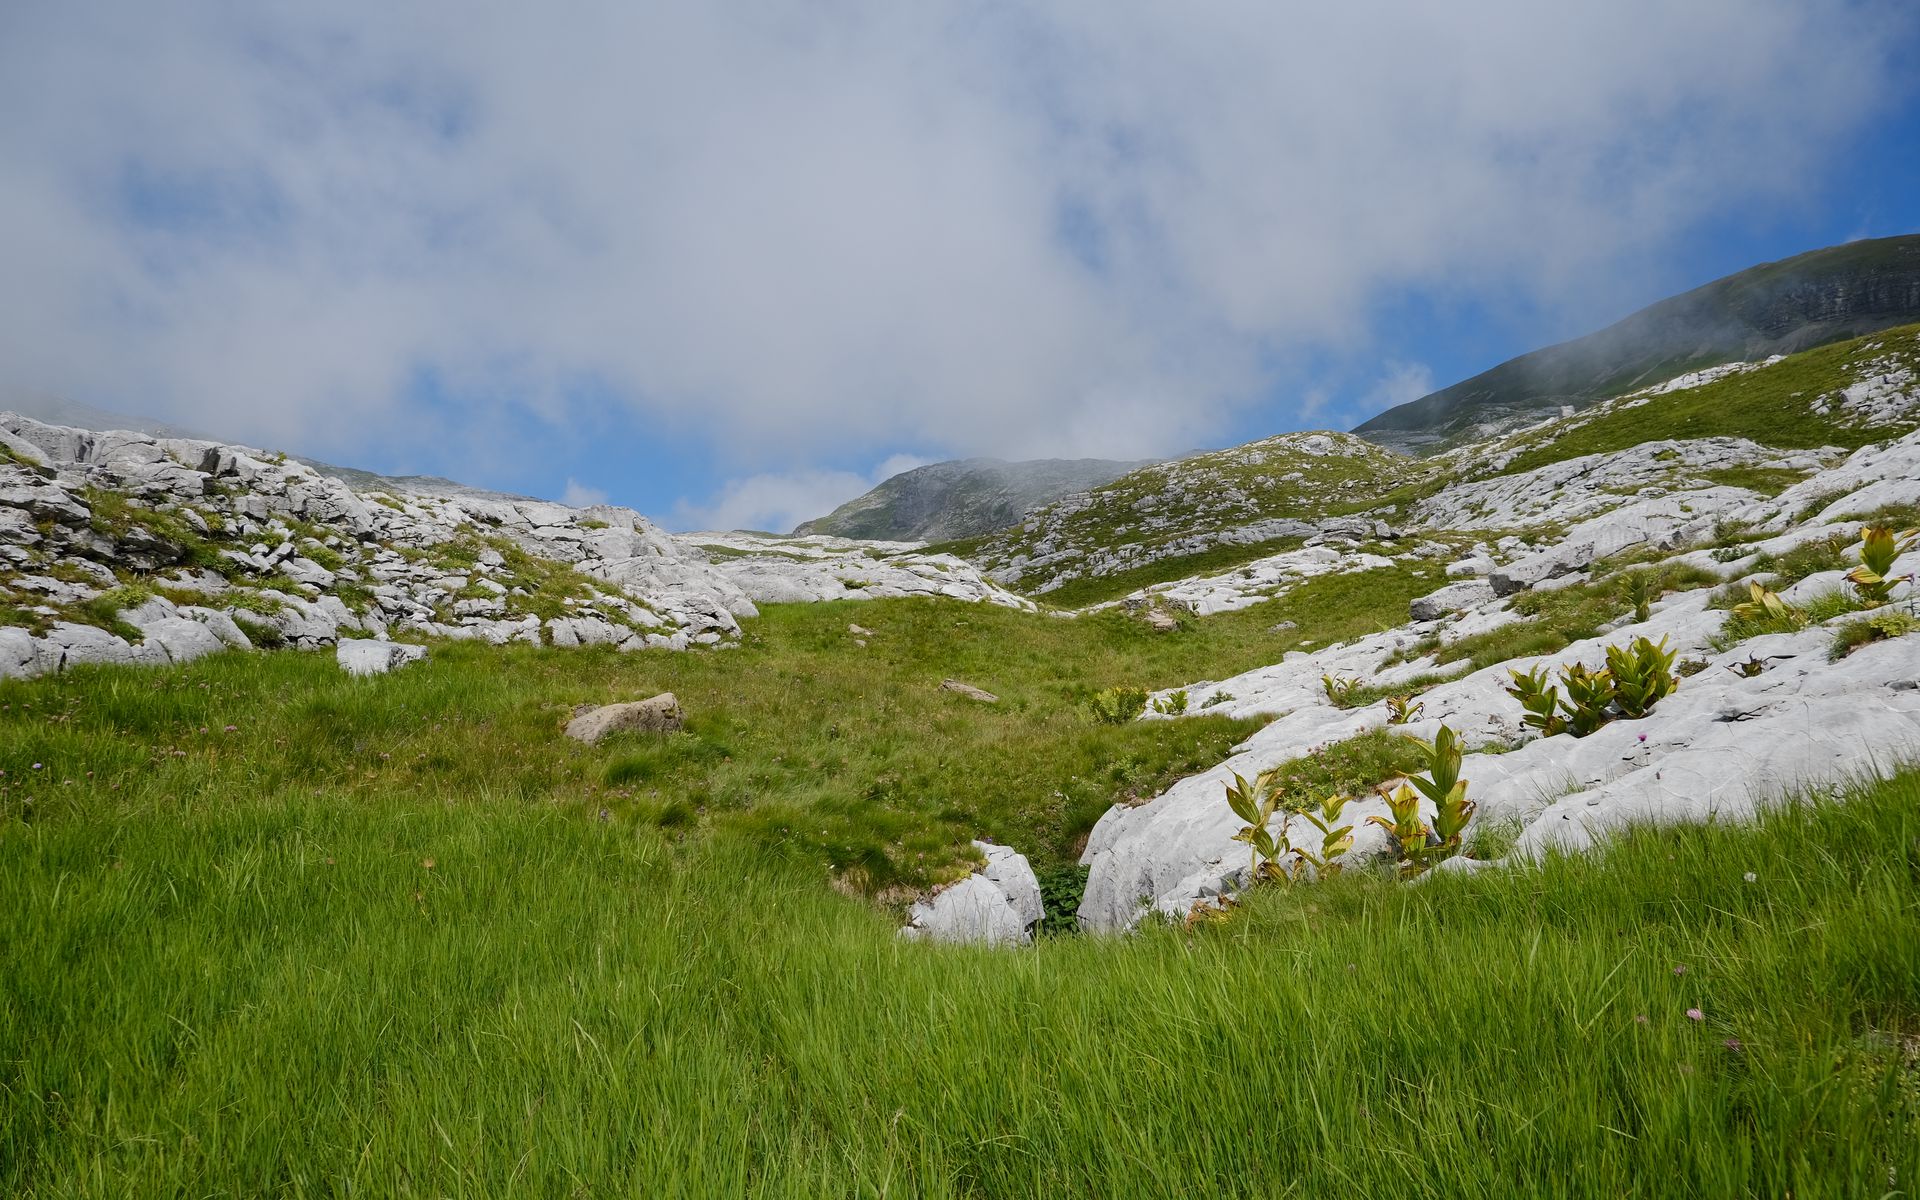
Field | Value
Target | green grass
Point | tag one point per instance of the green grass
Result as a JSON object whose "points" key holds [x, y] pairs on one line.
{"points": [[1772, 406], [304, 990], [1768, 481], [844, 757], [1851, 635], [1739, 627], [1557, 618]]}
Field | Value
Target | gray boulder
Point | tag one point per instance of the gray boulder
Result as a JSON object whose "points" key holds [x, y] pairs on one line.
{"points": [[1454, 597], [659, 714], [969, 691]]}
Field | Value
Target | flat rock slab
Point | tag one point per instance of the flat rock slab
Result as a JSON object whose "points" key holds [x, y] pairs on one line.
{"points": [[969, 691], [365, 656], [660, 714]]}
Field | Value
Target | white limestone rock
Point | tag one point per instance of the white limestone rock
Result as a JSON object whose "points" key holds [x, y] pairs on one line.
{"points": [[364, 656], [998, 905], [1455, 597], [788, 570]]}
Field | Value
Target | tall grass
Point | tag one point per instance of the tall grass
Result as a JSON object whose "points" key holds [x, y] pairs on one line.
{"points": [[298, 994], [397, 937]]}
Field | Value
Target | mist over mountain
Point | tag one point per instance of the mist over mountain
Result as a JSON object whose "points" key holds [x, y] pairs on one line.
{"points": [[962, 498], [1781, 307]]}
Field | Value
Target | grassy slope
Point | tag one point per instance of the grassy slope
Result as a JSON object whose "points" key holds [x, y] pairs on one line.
{"points": [[410, 994], [1772, 406], [834, 752]]}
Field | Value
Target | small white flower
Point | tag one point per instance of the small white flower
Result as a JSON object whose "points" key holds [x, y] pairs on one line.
{"points": [[1750, 877]]}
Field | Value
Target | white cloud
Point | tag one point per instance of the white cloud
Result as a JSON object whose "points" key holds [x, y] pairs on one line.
{"points": [[796, 228], [1400, 383], [579, 495], [776, 501]]}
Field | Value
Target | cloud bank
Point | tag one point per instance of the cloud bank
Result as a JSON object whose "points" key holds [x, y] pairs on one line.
{"points": [[799, 230]]}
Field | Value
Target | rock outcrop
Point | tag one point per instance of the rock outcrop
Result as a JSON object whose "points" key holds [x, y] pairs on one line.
{"points": [[947, 500], [998, 905], [369, 656], [127, 547], [776, 570], [1749, 724]]}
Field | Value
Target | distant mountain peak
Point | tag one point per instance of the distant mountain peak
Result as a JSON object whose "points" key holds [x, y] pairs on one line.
{"points": [[962, 498]]}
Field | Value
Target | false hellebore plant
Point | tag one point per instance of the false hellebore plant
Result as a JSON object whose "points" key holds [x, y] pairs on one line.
{"points": [[1880, 548], [1422, 845], [1255, 803]]}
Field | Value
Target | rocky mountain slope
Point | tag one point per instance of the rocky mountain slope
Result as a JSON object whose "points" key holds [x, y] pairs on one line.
{"points": [[1297, 486], [128, 547], [1777, 308], [947, 501], [1559, 560], [1231, 512]]}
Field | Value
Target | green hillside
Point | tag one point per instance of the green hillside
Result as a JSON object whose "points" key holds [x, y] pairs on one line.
{"points": [[1809, 300], [1798, 403], [1204, 512]]}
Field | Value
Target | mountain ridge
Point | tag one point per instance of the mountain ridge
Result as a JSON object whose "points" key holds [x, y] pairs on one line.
{"points": [[1822, 296]]}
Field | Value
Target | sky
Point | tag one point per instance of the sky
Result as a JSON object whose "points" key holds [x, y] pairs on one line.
{"points": [[732, 264]]}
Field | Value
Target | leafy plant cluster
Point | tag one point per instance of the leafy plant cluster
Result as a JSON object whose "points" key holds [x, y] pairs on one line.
{"points": [[1418, 843], [1636, 678], [1117, 705]]}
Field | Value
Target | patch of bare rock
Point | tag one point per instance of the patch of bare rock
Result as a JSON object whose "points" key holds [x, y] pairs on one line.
{"points": [[656, 714]]}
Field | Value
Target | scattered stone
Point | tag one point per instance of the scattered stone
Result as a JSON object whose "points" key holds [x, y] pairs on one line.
{"points": [[659, 714], [969, 691], [859, 631], [365, 656]]}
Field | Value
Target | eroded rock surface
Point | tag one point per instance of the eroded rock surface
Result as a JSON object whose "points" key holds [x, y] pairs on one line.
{"points": [[1731, 738], [998, 904]]}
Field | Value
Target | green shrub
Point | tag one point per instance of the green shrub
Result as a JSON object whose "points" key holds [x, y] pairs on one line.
{"points": [[1255, 803], [1172, 704], [1447, 792], [1335, 839], [1118, 705], [1589, 693], [1340, 689], [1540, 700], [1407, 832]]}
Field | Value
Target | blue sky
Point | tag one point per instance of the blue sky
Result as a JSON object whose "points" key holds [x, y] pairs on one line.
{"points": [[733, 264]]}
